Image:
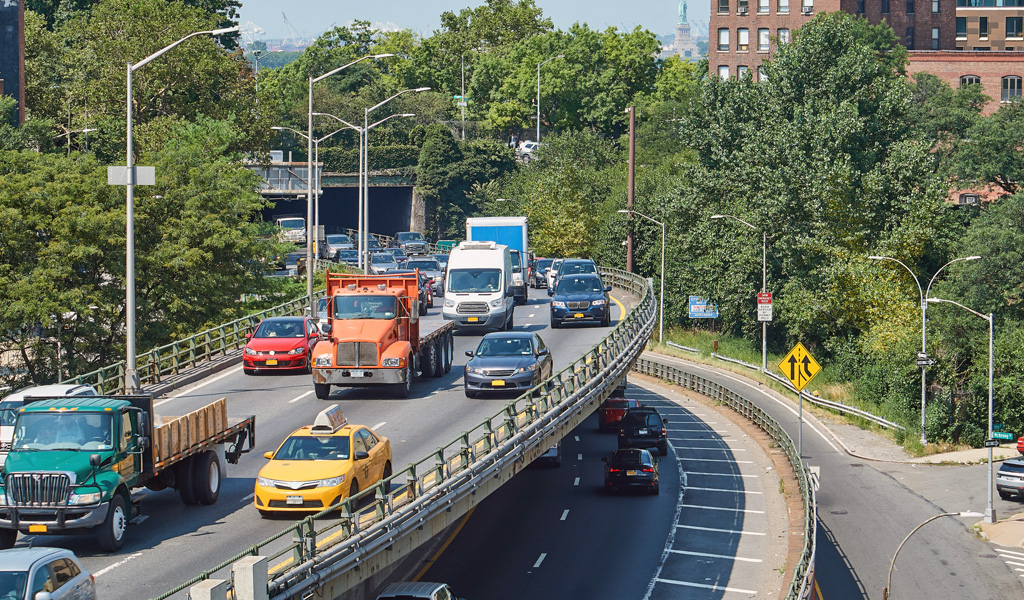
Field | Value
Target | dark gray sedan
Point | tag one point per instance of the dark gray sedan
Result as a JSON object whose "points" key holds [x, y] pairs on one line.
{"points": [[507, 361]]}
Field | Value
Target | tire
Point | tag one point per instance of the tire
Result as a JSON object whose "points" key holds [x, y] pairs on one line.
{"points": [[470, 394], [607, 320], [352, 491], [206, 478], [384, 476], [555, 324], [248, 371], [511, 320], [656, 489], [423, 308], [110, 535], [323, 390], [402, 389], [451, 352], [433, 368], [1002, 494], [184, 480], [7, 538], [663, 449], [265, 514], [309, 364]]}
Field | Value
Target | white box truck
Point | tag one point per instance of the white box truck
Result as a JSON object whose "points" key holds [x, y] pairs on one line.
{"points": [[478, 290], [508, 231]]}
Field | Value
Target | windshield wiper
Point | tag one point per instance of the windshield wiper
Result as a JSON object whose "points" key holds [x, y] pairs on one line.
{"points": [[67, 449]]}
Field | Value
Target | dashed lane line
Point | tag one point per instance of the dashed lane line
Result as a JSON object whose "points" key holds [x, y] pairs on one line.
{"points": [[722, 508], [704, 586], [117, 564], [716, 530], [565, 514], [205, 383], [540, 559], [379, 425], [725, 556], [300, 397], [704, 489]]}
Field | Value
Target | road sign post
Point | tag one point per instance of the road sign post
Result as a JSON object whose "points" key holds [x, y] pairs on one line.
{"points": [[800, 368]]}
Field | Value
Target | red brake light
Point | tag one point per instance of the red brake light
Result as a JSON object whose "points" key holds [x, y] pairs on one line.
{"points": [[663, 431], [647, 470], [614, 470]]}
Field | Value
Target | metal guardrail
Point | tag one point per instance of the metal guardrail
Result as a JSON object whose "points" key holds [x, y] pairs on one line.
{"points": [[378, 516], [803, 575]]}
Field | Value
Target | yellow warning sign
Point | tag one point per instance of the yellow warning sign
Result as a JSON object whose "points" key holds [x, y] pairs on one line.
{"points": [[799, 366]]}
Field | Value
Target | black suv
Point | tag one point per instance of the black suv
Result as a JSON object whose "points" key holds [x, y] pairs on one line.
{"points": [[643, 427]]}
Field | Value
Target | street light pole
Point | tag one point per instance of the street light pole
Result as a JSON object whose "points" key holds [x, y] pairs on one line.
{"points": [[539, 65], [661, 310], [131, 379], [764, 285], [888, 582], [924, 327]]}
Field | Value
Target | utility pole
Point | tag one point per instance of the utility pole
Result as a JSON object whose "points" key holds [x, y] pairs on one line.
{"points": [[630, 187], [463, 102]]}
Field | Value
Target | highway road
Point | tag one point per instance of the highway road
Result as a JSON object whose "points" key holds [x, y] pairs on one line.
{"points": [[171, 542]]}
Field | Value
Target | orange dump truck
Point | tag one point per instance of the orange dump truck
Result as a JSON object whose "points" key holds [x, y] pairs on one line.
{"points": [[374, 335]]}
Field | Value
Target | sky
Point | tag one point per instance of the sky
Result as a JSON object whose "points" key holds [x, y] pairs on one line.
{"points": [[312, 17]]}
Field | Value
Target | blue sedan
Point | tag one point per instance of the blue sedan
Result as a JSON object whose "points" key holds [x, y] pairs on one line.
{"points": [[581, 297]]}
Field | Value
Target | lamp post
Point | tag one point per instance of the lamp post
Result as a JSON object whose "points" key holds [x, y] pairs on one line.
{"points": [[923, 356], [309, 178], [888, 582], [661, 310], [539, 65], [68, 133], [364, 222], [131, 380], [990, 513], [764, 285], [257, 54]]}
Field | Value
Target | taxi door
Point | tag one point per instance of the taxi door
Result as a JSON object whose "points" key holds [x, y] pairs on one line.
{"points": [[377, 454], [362, 468]]}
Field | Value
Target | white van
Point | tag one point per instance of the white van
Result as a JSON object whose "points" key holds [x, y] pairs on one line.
{"points": [[478, 288]]}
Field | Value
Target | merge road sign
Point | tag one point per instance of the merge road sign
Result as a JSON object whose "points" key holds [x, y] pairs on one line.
{"points": [[799, 366]]}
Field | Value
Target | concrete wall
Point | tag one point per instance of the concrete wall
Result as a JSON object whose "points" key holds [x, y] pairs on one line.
{"points": [[392, 209]]}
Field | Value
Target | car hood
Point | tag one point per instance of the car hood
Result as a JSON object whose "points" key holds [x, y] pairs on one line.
{"points": [[578, 296], [277, 344], [75, 463], [501, 362], [362, 330], [304, 470]]}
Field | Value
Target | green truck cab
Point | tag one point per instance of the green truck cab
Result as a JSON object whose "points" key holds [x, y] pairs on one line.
{"points": [[74, 461]]}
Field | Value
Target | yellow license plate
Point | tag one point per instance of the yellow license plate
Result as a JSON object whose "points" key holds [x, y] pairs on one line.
{"points": [[473, 319], [272, 361], [578, 315], [498, 383], [630, 473], [37, 528]]}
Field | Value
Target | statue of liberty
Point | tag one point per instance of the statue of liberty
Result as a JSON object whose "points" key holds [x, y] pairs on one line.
{"points": [[682, 12]]}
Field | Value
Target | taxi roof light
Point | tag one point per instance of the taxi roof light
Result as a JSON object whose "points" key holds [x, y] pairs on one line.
{"points": [[329, 420]]}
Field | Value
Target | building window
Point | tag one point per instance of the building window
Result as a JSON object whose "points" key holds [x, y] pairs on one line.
{"points": [[762, 6], [968, 198], [806, 7], [970, 80], [723, 40], [762, 40], [783, 36], [935, 7], [860, 7], [961, 27], [1014, 26], [885, 7], [981, 48], [910, 7], [723, 6], [742, 6], [1011, 88], [783, 6], [910, 38], [935, 38], [742, 39], [723, 71], [741, 71], [983, 27]]}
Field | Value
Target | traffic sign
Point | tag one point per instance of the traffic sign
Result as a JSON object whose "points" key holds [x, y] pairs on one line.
{"points": [[764, 306], [799, 366], [1003, 435], [457, 97], [991, 443], [997, 427], [462, 103]]}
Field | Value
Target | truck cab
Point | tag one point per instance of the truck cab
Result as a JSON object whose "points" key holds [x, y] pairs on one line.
{"points": [[479, 292]]}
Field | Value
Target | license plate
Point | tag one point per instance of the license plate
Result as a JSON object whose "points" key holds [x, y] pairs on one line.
{"points": [[357, 373], [642, 432], [498, 383], [473, 319], [294, 500], [271, 361], [37, 528], [631, 473], [579, 315]]}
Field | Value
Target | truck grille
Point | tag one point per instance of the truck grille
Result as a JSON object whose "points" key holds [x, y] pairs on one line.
{"points": [[357, 354], [38, 489], [473, 308], [577, 305]]}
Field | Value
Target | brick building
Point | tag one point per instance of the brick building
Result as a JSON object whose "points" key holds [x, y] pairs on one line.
{"points": [[999, 73]]}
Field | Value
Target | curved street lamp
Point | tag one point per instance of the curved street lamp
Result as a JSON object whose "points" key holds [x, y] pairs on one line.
{"points": [[661, 310], [539, 65], [888, 583]]}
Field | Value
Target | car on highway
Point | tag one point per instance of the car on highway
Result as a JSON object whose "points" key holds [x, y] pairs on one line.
{"points": [[347, 257], [399, 254], [44, 574], [610, 413], [553, 271], [1010, 478], [318, 466], [539, 272], [507, 361], [337, 242], [572, 266], [632, 468], [432, 269], [382, 262], [10, 404], [643, 427], [412, 242], [417, 590], [552, 456], [442, 259], [425, 286], [1020, 444], [373, 244], [281, 343], [580, 298]]}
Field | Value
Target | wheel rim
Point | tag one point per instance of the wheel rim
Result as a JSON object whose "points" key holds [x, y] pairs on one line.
{"points": [[214, 475], [118, 522]]}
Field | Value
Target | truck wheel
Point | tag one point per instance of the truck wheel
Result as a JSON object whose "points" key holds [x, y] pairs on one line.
{"points": [[423, 308], [206, 477], [323, 390], [433, 360], [402, 389], [184, 480], [111, 533], [7, 538], [450, 345]]}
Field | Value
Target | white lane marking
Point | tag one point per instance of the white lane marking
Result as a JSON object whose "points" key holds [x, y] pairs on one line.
{"points": [[577, 437], [579, 457], [700, 439], [742, 510], [717, 449], [1016, 564], [299, 397], [248, 498], [738, 462], [117, 564], [532, 315], [540, 559], [720, 530], [705, 430], [703, 489], [564, 514], [1010, 553], [706, 555], [705, 586], [379, 425], [722, 474], [205, 383], [577, 482]]}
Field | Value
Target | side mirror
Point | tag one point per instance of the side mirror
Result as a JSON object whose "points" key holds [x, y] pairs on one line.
{"points": [[607, 288], [361, 455], [325, 328], [43, 596], [95, 460], [248, 336], [544, 352], [469, 353], [664, 420], [551, 292], [268, 455]]}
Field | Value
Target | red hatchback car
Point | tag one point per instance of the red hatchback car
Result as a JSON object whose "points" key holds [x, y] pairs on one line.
{"points": [[1020, 445], [609, 414], [281, 343]]}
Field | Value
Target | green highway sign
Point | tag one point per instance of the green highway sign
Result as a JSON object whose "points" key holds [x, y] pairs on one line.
{"points": [[1003, 435]]}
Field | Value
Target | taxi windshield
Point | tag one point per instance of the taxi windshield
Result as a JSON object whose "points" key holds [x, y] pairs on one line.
{"points": [[63, 431], [304, 447], [365, 307]]}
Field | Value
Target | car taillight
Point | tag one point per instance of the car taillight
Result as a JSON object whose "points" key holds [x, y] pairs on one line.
{"points": [[610, 470], [663, 431], [647, 470], [622, 432]]}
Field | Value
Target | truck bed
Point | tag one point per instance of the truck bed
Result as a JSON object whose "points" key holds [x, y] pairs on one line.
{"points": [[431, 329], [175, 438]]}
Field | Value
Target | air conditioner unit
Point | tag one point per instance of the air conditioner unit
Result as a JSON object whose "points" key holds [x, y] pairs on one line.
{"points": [[741, 11], [968, 198], [806, 10]]}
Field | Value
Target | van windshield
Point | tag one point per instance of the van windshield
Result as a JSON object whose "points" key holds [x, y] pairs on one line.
{"points": [[9, 413], [462, 281], [292, 223]]}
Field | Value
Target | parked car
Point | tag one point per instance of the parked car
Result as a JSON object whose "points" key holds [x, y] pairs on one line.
{"points": [[412, 242], [1010, 478], [419, 590], [348, 257], [1020, 445], [281, 343], [44, 574], [507, 361], [580, 298], [527, 150], [643, 427], [539, 273], [611, 411], [338, 241], [382, 262], [432, 269], [425, 287], [553, 272], [634, 468], [10, 404]]}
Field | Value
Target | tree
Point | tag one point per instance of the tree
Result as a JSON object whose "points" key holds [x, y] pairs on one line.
{"points": [[990, 154]]}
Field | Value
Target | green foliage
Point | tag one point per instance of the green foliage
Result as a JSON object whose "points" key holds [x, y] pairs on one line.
{"points": [[990, 154], [346, 160]]}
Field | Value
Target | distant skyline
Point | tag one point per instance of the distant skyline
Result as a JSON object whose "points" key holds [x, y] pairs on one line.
{"points": [[312, 17]]}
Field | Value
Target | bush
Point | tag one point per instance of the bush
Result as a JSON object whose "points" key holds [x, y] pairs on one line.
{"points": [[346, 160]]}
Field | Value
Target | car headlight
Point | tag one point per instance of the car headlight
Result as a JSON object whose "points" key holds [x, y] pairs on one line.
{"points": [[601, 302], [264, 482], [449, 304], [438, 278], [332, 482], [322, 361], [526, 369], [497, 303], [557, 304], [394, 362], [3, 499], [475, 370], [92, 498], [298, 350], [249, 351]]}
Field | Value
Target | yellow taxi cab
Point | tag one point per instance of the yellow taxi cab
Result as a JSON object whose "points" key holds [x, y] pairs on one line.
{"points": [[320, 465]]}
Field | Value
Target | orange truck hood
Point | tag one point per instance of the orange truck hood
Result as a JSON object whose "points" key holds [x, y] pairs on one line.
{"points": [[362, 330]]}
